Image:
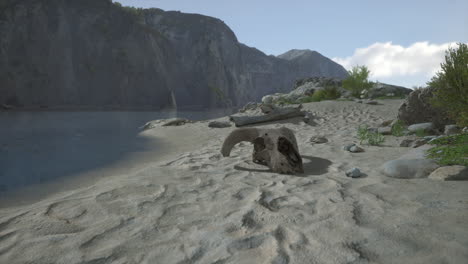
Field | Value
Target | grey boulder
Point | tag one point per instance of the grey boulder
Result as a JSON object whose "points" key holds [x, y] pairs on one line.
{"points": [[418, 109], [427, 127], [413, 164], [450, 173], [451, 130], [409, 168], [385, 130]]}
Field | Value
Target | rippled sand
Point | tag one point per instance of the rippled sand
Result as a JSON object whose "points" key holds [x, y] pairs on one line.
{"points": [[195, 206]]}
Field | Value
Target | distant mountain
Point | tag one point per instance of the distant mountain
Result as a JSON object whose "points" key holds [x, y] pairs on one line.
{"points": [[94, 54], [307, 61]]}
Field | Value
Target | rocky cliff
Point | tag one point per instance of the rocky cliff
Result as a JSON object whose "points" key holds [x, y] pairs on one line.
{"points": [[93, 53]]}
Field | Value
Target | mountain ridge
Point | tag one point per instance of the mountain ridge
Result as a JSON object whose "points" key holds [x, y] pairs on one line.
{"points": [[95, 53]]}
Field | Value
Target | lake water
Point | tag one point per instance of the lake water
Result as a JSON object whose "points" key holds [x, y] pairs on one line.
{"points": [[39, 147]]}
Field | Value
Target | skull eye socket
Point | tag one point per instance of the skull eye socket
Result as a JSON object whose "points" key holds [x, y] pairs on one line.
{"points": [[283, 145], [259, 144], [286, 148]]}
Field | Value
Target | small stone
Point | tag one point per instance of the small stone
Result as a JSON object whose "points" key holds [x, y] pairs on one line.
{"points": [[356, 149], [451, 130], [385, 130], [386, 123], [266, 108], [429, 138], [359, 101], [219, 124], [427, 127], [318, 140], [372, 130], [371, 102], [418, 143], [450, 173], [348, 147], [353, 173], [406, 142]]}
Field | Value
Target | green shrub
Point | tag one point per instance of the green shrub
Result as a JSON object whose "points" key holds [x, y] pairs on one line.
{"points": [[451, 150], [330, 92], [451, 85], [372, 138], [357, 80], [398, 128]]}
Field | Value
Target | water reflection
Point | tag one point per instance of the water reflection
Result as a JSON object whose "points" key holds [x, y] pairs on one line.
{"points": [[38, 147]]}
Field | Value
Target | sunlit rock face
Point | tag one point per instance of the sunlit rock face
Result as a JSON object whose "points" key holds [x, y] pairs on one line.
{"points": [[95, 54]]}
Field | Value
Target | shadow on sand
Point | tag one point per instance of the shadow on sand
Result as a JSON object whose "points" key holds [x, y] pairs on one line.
{"points": [[312, 166]]}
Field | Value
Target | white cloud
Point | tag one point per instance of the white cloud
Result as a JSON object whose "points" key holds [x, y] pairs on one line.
{"points": [[400, 65]]}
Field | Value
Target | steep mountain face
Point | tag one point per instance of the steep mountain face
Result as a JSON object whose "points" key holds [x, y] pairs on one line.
{"points": [[85, 53], [92, 53]]}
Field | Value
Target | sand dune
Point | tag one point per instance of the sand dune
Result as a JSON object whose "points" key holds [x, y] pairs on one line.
{"points": [[196, 206]]}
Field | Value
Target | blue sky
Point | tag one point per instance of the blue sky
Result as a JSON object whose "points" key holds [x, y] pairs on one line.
{"points": [[402, 42]]}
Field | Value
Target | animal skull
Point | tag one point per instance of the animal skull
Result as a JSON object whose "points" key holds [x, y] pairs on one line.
{"points": [[275, 148]]}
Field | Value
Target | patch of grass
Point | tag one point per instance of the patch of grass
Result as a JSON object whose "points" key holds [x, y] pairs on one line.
{"points": [[398, 128], [308, 99], [372, 138], [450, 150], [421, 133]]}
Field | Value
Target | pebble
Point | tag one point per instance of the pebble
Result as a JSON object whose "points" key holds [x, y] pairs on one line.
{"points": [[353, 173], [318, 140]]}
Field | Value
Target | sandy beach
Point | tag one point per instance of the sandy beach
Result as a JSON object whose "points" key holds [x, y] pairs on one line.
{"points": [[192, 205]]}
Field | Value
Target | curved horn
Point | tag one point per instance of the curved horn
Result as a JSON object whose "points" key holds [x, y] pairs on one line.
{"points": [[236, 136]]}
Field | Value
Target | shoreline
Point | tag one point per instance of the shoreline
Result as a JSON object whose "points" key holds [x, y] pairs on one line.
{"points": [[166, 149]]}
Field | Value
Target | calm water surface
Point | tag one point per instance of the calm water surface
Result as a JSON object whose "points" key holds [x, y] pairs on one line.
{"points": [[39, 147]]}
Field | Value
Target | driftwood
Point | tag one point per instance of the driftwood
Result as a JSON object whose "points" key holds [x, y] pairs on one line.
{"points": [[6, 107], [275, 148], [271, 115]]}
